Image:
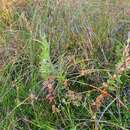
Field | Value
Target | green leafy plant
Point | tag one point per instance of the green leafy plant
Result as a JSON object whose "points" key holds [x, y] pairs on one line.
{"points": [[46, 67]]}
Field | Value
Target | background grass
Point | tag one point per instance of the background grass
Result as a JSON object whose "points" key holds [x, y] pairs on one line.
{"points": [[62, 39]]}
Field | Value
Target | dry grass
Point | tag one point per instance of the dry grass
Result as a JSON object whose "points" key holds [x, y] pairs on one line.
{"points": [[79, 46]]}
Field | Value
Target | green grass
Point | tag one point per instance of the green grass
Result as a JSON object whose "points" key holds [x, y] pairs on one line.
{"points": [[59, 41]]}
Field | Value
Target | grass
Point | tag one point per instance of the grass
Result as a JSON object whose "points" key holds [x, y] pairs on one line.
{"points": [[57, 65]]}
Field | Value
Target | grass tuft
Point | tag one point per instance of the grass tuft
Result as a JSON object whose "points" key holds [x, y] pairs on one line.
{"points": [[64, 65]]}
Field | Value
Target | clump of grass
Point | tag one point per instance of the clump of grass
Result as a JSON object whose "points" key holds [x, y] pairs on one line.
{"points": [[74, 45]]}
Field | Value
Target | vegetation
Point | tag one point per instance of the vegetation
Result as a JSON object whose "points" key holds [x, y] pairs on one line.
{"points": [[64, 65]]}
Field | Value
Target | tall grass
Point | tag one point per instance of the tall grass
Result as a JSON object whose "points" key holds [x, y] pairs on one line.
{"points": [[76, 44]]}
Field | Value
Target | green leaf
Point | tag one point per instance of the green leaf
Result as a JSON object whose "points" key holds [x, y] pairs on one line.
{"points": [[46, 67]]}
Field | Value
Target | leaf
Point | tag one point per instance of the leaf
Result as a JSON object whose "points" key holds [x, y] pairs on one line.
{"points": [[46, 67], [74, 128]]}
